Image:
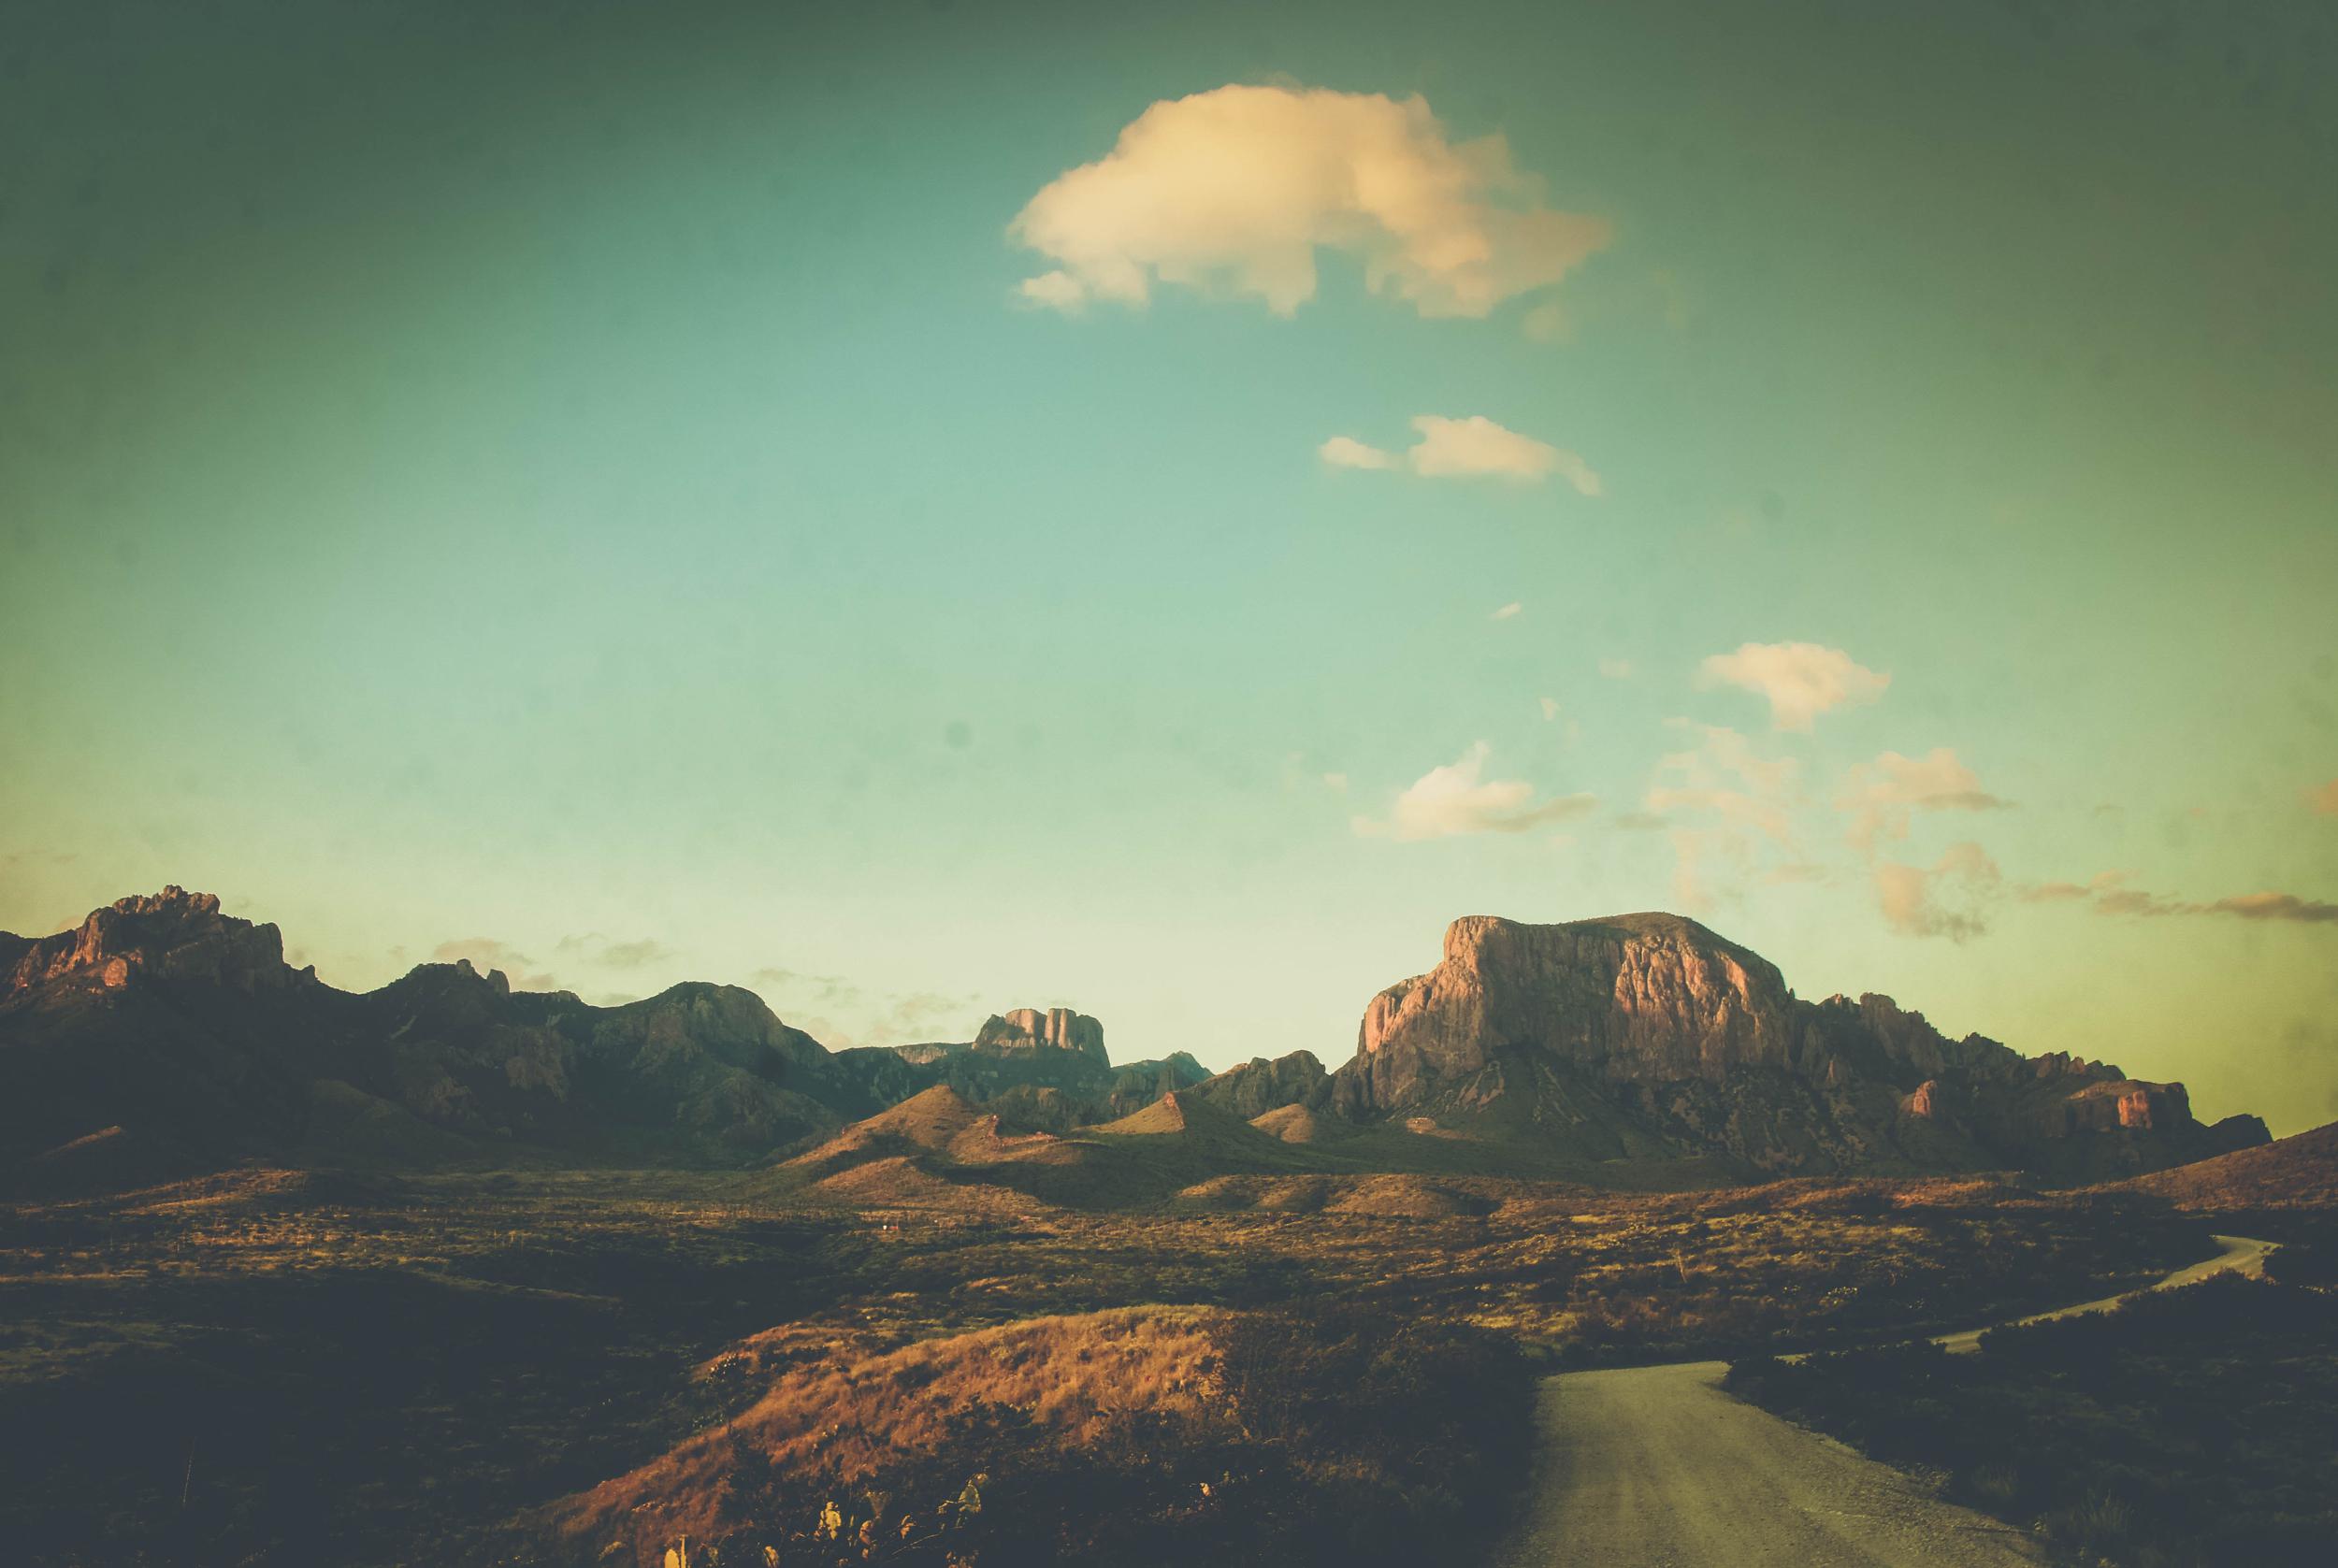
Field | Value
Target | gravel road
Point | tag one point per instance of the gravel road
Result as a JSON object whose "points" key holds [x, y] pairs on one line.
{"points": [[1656, 1467]]}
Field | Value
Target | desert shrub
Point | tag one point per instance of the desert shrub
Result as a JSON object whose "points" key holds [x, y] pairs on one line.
{"points": [[1325, 1435], [2311, 1261], [2186, 1430]]}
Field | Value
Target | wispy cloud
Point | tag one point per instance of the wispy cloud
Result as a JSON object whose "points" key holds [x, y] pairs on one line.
{"points": [[1457, 799], [2324, 800], [2274, 906], [2107, 893], [1949, 899], [1233, 192], [1726, 806], [486, 953], [1800, 680], [1471, 448], [1509, 611], [2065, 892], [1880, 797], [1724, 776], [841, 1014], [600, 952]]}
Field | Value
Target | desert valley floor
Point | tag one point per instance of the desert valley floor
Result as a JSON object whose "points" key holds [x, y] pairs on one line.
{"points": [[1605, 1250]]}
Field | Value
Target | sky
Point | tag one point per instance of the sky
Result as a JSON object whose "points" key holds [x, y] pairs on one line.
{"points": [[924, 508]]}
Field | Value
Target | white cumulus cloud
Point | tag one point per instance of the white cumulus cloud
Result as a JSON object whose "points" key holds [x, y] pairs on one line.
{"points": [[1457, 799], [1056, 291], [1460, 448], [1472, 448], [1346, 452], [1801, 680], [1233, 191]]}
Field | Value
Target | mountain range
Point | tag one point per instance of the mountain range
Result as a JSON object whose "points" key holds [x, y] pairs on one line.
{"points": [[163, 1036]]}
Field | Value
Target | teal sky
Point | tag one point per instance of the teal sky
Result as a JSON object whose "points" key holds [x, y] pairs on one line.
{"points": [[587, 488]]}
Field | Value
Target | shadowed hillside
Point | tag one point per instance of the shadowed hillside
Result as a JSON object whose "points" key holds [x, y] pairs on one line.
{"points": [[2294, 1172]]}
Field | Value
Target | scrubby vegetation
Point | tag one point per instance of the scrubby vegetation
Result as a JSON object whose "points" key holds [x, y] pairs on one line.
{"points": [[2298, 1174], [1290, 1436], [276, 1367], [2188, 1429]]}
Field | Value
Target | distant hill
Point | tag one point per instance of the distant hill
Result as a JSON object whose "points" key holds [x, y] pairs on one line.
{"points": [[1193, 1122], [163, 1036], [2297, 1171], [922, 1151]]}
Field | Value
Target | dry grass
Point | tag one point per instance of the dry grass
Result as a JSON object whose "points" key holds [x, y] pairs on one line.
{"points": [[2297, 1171], [937, 1122], [900, 1182], [1406, 1198], [1294, 1123], [1069, 1375], [1379, 1197], [509, 1338]]}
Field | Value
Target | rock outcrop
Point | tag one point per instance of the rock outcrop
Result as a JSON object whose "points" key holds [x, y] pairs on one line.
{"points": [[1259, 1086], [1648, 1033], [1026, 1028], [173, 934]]}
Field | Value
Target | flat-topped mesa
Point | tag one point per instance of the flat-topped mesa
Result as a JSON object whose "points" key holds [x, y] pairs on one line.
{"points": [[170, 935], [1026, 1028], [1639, 996], [1648, 1031]]}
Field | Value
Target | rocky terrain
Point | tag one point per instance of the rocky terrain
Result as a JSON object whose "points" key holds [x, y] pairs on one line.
{"points": [[1648, 1033], [163, 1036]]}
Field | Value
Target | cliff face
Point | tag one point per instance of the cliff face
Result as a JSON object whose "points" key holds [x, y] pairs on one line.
{"points": [[1645, 997], [174, 935], [1648, 1032], [1026, 1028], [1259, 1086], [1042, 1069]]}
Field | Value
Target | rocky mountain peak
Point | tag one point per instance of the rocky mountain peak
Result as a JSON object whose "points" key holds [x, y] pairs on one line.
{"points": [[1254, 1087], [171, 935], [1636, 994], [1649, 1031]]}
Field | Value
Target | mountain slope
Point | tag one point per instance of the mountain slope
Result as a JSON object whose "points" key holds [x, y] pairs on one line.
{"points": [[2297, 1171], [1646, 1034], [184, 1029]]}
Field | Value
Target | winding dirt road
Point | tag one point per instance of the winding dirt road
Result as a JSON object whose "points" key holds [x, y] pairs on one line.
{"points": [[1656, 1467]]}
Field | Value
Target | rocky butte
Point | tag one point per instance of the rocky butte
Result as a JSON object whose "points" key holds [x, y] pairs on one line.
{"points": [[1026, 1028], [1646, 1034]]}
